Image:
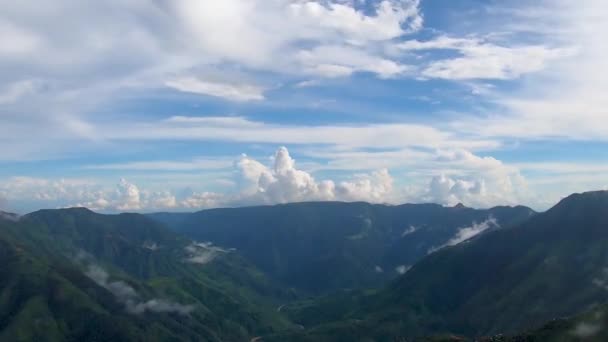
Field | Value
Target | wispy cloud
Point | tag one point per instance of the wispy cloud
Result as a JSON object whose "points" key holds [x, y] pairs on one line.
{"points": [[235, 92], [130, 298], [467, 233], [203, 252]]}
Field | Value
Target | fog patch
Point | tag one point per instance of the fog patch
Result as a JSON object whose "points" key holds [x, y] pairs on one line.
{"points": [[204, 252], [402, 269], [367, 225], [9, 216], [602, 280], [160, 305], [150, 245], [127, 295], [585, 330], [467, 233]]}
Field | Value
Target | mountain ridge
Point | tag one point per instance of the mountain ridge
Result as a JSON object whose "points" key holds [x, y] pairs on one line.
{"points": [[553, 265], [320, 247]]}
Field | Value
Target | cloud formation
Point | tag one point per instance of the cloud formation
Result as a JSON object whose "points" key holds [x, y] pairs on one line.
{"points": [[463, 177], [127, 295], [283, 183], [467, 233], [203, 252], [480, 59]]}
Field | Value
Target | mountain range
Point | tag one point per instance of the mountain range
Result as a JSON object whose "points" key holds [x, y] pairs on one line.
{"points": [[323, 247], [553, 265], [308, 272]]}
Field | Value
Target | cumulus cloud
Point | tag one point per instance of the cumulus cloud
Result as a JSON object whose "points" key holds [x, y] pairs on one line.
{"points": [[464, 177], [475, 181], [128, 196], [127, 295], [283, 182], [448, 191]]}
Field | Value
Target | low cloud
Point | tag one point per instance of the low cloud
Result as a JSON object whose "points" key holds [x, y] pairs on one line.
{"points": [[203, 252], [467, 233], [127, 295], [150, 245], [402, 269], [586, 330], [9, 216], [409, 230]]}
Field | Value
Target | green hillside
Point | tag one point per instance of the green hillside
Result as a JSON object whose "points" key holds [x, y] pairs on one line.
{"points": [[125, 277], [553, 265]]}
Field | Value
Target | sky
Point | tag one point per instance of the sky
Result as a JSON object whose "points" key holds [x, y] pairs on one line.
{"points": [[183, 105]]}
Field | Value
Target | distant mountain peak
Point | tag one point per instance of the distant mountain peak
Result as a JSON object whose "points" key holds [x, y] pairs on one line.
{"points": [[591, 200], [460, 206]]}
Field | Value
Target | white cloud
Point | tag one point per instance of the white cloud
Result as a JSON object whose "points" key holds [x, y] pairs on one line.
{"points": [[402, 269], [265, 34], [409, 230], [128, 196], [339, 61], [566, 101], [238, 129], [480, 59], [235, 92], [130, 298], [467, 233], [203, 252], [285, 183], [167, 165], [374, 187], [16, 41], [204, 200], [476, 181], [15, 91], [453, 176]]}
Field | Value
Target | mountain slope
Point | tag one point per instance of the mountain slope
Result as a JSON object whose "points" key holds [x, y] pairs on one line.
{"points": [[328, 246], [553, 265], [590, 326], [71, 269]]}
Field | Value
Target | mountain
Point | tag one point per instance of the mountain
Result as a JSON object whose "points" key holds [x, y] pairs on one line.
{"points": [[590, 326], [552, 265], [328, 246], [73, 274]]}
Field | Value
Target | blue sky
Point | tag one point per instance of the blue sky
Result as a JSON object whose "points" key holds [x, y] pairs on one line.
{"points": [[184, 105]]}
